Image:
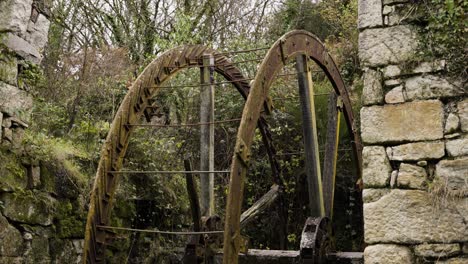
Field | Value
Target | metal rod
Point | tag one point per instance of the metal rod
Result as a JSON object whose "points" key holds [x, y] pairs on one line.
{"points": [[165, 172], [189, 124], [157, 231]]}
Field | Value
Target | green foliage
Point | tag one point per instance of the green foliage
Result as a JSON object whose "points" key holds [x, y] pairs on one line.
{"points": [[446, 32], [69, 220]]}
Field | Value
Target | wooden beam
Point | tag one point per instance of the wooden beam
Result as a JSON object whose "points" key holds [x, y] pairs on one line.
{"points": [[331, 152], [309, 126], [260, 206], [207, 136]]}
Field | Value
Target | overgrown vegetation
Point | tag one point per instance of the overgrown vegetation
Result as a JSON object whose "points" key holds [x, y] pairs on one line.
{"points": [[446, 33], [95, 51]]}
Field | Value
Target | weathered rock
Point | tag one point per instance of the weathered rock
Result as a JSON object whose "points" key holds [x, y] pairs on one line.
{"points": [[32, 209], [453, 261], [395, 96], [22, 48], [452, 123], [8, 69], [372, 195], [1, 127], [369, 13], [417, 151], [413, 121], [388, 254], [376, 167], [66, 251], [433, 66], [431, 86], [34, 176], [457, 147], [14, 15], [436, 250], [391, 71], [453, 174], [15, 102], [387, 10], [7, 134], [463, 114], [383, 46], [11, 260], [411, 176], [38, 32], [422, 163], [392, 82], [393, 179], [372, 92], [11, 241], [408, 216], [38, 250]]}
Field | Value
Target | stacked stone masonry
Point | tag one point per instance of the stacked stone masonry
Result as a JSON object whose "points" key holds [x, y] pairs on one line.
{"points": [[27, 202], [414, 126]]}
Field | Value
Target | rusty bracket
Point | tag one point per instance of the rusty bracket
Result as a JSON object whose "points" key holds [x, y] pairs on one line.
{"points": [[339, 103], [242, 152]]}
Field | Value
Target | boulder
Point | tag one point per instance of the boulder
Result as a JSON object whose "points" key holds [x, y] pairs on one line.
{"points": [[37, 32], [372, 195], [437, 250], [23, 48], [453, 174], [388, 254], [11, 240], [36, 209], [457, 147], [376, 167], [395, 96], [14, 15], [431, 86], [369, 13], [452, 123], [463, 114], [15, 102], [410, 217], [411, 176], [417, 151], [412, 121], [390, 45], [372, 92]]}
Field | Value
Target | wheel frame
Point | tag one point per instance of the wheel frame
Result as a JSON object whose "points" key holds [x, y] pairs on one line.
{"points": [[290, 45]]}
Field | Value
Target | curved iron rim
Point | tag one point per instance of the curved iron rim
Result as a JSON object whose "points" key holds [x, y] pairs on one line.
{"points": [[286, 48], [130, 112]]}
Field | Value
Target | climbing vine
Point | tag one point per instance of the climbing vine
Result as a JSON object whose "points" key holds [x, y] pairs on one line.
{"points": [[446, 31]]}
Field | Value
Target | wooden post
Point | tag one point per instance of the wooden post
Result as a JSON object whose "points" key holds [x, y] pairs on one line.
{"points": [[331, 151], [207, 136], [309, 126]]}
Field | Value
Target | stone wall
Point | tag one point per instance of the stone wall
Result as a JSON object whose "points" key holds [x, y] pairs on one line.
{"points": [[414, 126], [37, 222], [24, 25]]}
